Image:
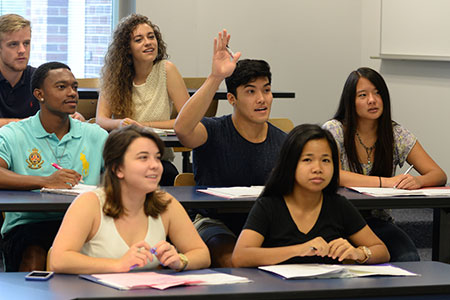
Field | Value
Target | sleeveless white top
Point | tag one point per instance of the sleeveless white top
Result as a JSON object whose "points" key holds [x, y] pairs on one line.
{"points": [[107, 242], [151, 99]]}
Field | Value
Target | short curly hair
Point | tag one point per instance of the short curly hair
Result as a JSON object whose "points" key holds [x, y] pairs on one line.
{"points": [[117, 73]]}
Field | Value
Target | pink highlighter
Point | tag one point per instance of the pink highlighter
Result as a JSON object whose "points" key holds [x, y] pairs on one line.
{"points": [[56, 166]]}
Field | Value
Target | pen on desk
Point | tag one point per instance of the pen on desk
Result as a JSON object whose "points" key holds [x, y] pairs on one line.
{"points": [[56, 166], [406, 172], [230, 52]]}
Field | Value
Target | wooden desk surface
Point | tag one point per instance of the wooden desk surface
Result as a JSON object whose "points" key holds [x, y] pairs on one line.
{"points": [[435, 279]]}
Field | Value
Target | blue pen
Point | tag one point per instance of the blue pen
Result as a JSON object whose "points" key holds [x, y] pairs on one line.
{"points": [[133, 266], [153, 251]]}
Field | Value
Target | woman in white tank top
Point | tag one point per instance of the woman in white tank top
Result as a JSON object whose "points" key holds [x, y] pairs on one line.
{"points": [[138, 84], [124, 224]]}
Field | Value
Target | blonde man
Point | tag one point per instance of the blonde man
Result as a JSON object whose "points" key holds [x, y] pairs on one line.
{"points": [[16, 99]]}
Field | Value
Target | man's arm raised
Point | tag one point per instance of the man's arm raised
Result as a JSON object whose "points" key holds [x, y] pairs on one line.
{"points": [[190, 131]]}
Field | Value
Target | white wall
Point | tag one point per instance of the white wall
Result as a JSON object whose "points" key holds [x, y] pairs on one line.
{"points": [[312, 46], [420, 90]]}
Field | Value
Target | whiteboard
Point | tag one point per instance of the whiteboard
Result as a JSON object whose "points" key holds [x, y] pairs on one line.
{"points": [[415, 29]]}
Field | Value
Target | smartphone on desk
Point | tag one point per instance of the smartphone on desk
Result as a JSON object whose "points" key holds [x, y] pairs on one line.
{"points": [[39, 275]]}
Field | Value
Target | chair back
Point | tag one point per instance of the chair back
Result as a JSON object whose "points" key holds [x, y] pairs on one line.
{"points": [[184, 179], [283, 123], [196, 83], [87, 107]]}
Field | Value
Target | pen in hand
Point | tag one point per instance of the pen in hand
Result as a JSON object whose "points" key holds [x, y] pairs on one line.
{"points": [[406, 172], [58, 167], [230, 52]]}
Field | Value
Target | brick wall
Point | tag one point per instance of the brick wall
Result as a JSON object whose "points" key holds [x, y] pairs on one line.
{"points": [[97, 34]]}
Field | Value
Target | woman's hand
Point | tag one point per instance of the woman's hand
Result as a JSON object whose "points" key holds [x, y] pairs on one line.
{"points": [[136, 256], [127, 122], [407, 182], [342, 249], [317, 246], [78, 116], [167, 255]]}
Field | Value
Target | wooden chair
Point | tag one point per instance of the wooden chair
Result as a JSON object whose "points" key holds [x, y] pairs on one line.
{"points": [[184, 179], [283, 123], [87, 107]]}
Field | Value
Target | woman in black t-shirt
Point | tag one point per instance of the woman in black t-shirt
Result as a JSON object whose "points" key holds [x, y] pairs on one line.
{"points": [[299, 218]]}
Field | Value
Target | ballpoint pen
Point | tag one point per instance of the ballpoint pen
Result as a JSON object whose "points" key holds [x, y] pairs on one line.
{"points": [[229, 51], [406, 172]]}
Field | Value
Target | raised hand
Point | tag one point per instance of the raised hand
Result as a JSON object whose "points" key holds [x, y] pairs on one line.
{"points": [[223, 62]]}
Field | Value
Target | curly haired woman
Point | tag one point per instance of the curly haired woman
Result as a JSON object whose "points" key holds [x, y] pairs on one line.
{"points": [[138, 84]]}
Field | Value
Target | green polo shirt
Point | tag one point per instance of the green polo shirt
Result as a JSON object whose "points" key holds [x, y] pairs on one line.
{"points": [[30, 150]]}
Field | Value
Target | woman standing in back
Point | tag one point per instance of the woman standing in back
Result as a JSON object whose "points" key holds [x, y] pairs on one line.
{"points": [[138, 84]]}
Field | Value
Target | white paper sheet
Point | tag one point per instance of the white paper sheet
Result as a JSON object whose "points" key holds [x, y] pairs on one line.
{"points": [[386, 192], [234, 192], [76, 190], [297, 271]]}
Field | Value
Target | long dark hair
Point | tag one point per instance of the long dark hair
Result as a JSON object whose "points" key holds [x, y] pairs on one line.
{"points": [[346, 114], [116, 145], [282, 178]]}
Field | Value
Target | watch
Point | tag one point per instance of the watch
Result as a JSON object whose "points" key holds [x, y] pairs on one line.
{"points": [[367, 253], [184, 261]]}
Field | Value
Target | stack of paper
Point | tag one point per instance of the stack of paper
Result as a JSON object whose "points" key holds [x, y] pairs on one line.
{"points": [[234, 192], [387, 192], [76, 190], [299, 271], [139, 280], [163, 132]]}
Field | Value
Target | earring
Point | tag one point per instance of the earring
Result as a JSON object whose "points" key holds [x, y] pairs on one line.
{"points": [[42, 99]]}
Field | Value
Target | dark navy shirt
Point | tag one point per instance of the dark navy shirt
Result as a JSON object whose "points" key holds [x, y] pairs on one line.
{"points": [[18, 101], [227, 159]]}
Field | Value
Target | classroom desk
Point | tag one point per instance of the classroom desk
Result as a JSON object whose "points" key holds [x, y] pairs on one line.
{"points": [[171, 141], [92, 93], [190, 198], [435, 281]]}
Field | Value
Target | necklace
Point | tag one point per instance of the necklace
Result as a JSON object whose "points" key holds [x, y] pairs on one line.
{"points": [[58, 159], [369, 150]]}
